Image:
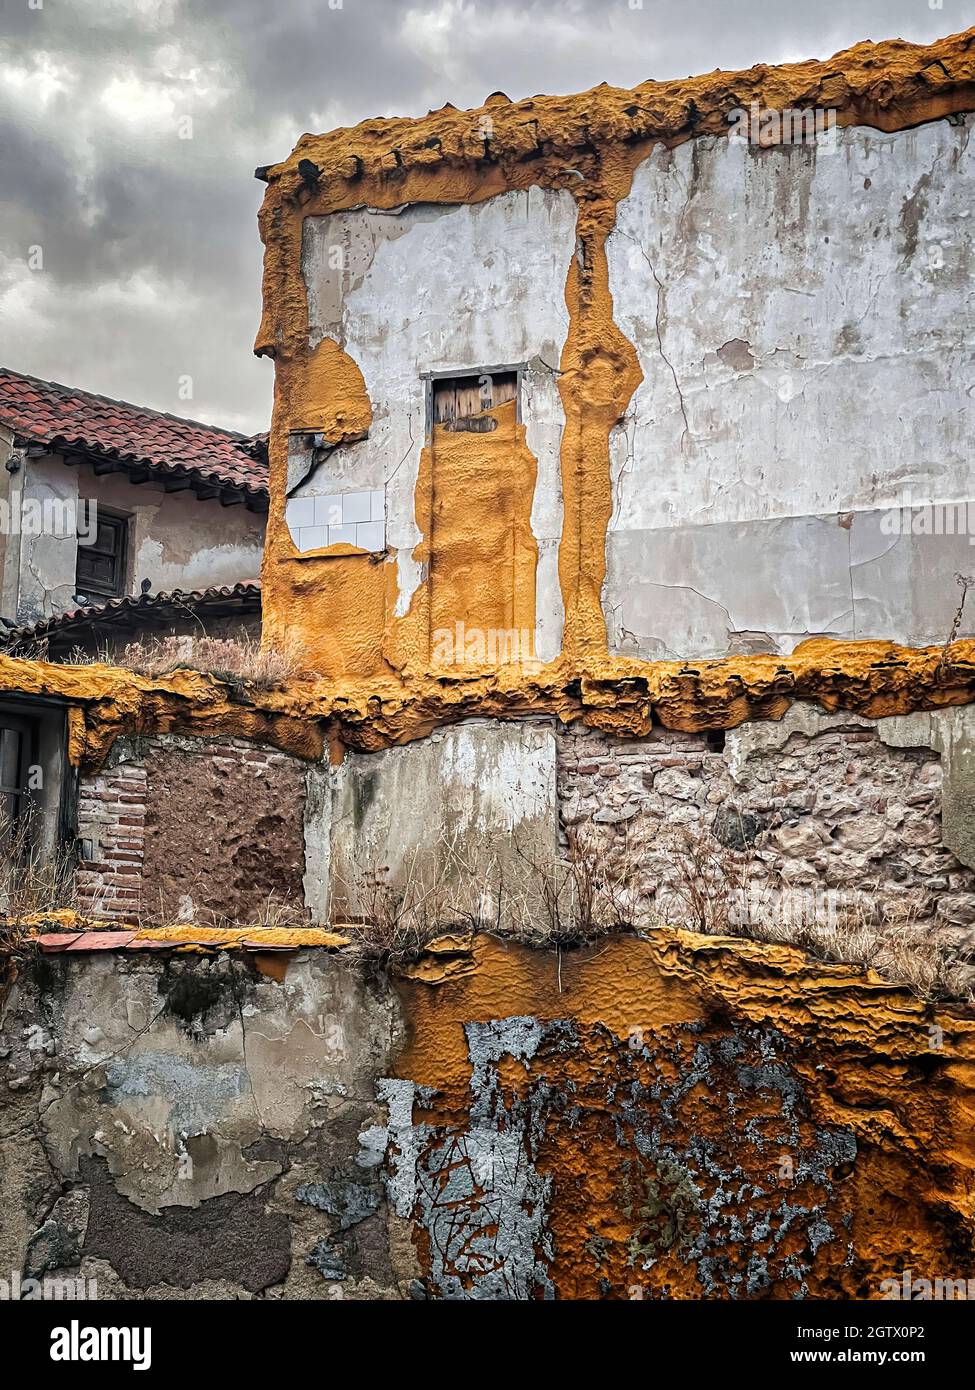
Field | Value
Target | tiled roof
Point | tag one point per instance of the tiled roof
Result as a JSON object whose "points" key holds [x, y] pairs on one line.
{"points": [[174, 938], [43, 412], [256, 445], [178, 600]]}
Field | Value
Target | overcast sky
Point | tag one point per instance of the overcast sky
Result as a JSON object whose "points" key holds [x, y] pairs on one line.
{"points": [[150, 258]]}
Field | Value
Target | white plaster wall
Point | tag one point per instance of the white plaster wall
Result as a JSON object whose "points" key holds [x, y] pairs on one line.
{"points": [[176, 540], [482, 804], [432, 288], [46, 561], [805, 322]]}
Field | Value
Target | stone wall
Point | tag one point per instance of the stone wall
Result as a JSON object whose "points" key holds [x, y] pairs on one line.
{"points": [[505, 306], [838, 811], [831, 814]]}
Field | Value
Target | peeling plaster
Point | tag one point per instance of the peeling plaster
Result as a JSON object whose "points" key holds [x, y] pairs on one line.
{"points": [[369, 624], [499, 268], [751, 479], [488, 796]]}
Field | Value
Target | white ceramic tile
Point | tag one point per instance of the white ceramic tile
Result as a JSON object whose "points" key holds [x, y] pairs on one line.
{"points": [[300, 511], [377, 506], [355, 507], [312, 537], [338, 535], [370, 535], [328, 510]]}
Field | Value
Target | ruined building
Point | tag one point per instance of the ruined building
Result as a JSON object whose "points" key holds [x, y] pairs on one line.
{"points": [[620, 501]]}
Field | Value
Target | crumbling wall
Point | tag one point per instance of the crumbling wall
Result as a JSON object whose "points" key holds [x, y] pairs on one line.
{"points": [[185, 1127], [794, 460], [847, 819], [729, 366], [676, 1116], [452, 819], [833, 820], [824, 819], [499, 268], [186, 829]]}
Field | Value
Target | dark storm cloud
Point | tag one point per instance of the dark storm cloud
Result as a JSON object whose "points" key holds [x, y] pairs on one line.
{"points": [[151, 259]]}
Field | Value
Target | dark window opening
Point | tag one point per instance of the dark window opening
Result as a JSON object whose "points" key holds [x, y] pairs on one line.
{"points": [[18, 744], [460, 402], [38, 804], [101, 562]]}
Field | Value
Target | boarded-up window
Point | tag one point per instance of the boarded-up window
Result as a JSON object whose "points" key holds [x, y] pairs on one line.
{"points": [[460, 402], [101, 561], [483, 553]]}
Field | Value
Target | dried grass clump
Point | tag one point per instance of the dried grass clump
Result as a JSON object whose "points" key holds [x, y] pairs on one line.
{"points": [[273, 913], [391, 923], [31, 882], [709, 882], [35, 650], [575, 899], [240, 660], [726, 892], [32, 885], [447, 888]]}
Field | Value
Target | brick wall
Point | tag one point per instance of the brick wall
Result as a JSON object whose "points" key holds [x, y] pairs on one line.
{"points": [[111, 828], [185, 829]]}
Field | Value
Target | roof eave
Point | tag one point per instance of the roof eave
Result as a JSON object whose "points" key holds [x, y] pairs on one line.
{"points": [[205, 485]]}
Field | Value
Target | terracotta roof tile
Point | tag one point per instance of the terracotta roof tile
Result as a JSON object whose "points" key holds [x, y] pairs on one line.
{"points": [[261, 941], [177, 599], [44, 412]]}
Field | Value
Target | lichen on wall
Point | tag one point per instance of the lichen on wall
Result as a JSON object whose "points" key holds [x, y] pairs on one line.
{"points": [[676, 1117], [672, 1116], [310, 716]]}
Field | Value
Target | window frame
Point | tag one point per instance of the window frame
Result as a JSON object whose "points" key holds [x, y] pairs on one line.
{"points": [[429, 379], [121, 522], [52, 807]]}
